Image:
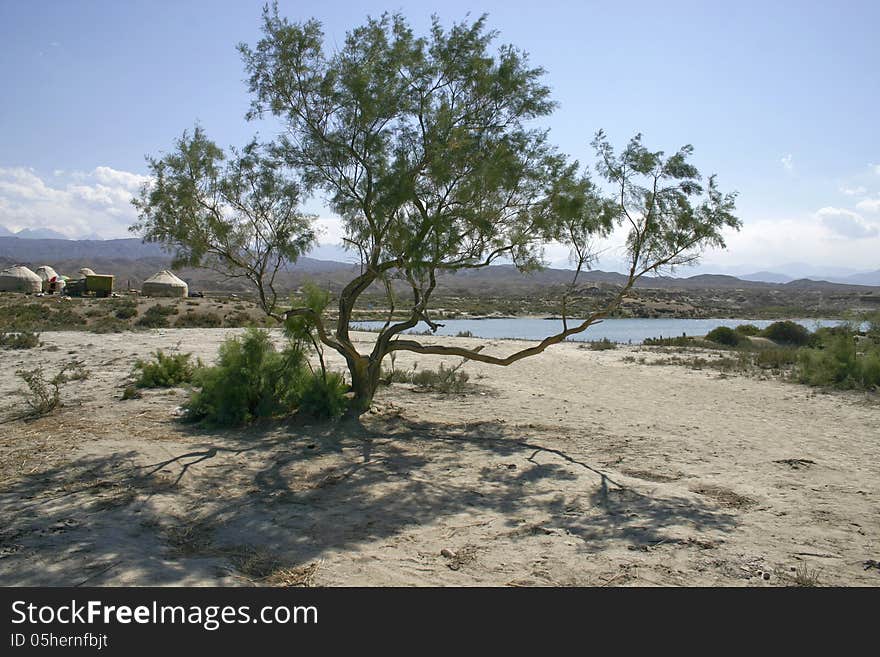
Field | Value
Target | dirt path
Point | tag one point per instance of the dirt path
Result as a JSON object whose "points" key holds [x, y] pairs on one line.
{"points": [[572, 468]]}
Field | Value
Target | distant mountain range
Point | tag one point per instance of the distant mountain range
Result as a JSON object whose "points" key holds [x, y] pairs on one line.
{"points": [[862, 278], [37, 234], [132, 261]]}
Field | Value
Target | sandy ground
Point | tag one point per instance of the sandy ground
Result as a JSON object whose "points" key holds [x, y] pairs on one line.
{"points": [[572, 468]]}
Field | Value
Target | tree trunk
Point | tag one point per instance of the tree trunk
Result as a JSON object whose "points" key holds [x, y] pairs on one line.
{"points": [[364, 381]]}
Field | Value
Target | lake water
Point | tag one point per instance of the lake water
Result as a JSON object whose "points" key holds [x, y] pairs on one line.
{"points": [[617, 330]]}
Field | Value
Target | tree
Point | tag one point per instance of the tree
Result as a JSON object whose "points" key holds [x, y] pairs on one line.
{"points": [[238, 216], [424, 146]]}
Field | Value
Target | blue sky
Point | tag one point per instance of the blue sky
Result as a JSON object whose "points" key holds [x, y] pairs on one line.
{"points": [[779, 99]]}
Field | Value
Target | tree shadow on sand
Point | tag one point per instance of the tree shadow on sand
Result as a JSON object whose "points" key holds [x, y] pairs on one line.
{"points": [[298, 492]]}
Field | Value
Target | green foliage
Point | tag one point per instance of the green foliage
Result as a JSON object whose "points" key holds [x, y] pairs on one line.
{"points": [[237, 214], [124, 308], [838, 363], [445, 379], [601, 345], [44, 396], [165, 370], [48, 315], [131, 392], [776, 358], [323, 396], [21, 340], [464, 334], [747, 329], [198, 320], [725, 336], [250, 380], [428, 148], [787, 332], [156, 316]]}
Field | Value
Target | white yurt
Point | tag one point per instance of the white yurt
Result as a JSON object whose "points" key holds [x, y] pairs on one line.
{"points": [[20, 279], [164, 284], [50, 276], [85, 271]]}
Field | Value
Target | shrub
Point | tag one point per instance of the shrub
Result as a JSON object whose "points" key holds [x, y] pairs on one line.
{"points": [[156, 316], [724, 335], [125, 309], [787, 332], [130, 392], [251, 380], [43, 396], [323, 396], [601, 345], [21, 340], [164, 371], [198, 320], [747, 329], [776, 358], [446, 380], [464, 334], [839, 364]]}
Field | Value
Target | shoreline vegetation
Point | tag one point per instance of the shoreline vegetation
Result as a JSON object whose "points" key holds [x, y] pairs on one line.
{"points": [[131, 312]]}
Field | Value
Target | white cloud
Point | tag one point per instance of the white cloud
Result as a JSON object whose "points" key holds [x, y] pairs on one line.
{"points": [[875, 168], [75, 204], [330, 230], [787, 162], [869, 205], [846, 223], [853, 191]]}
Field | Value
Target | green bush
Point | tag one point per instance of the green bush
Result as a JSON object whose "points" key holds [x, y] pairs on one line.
{"points": [[724, 335], [198, 320], [747, 329], [838, 363], [601, 345], [323, 397], [21, 340], [251, 380], [446, 380], [42, 396], [165, 371], [156, 317], [125, 309], [787, 332], [776, 358]]}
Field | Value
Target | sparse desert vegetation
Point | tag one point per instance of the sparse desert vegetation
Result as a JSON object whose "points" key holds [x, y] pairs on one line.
{"points": [[527, 479]]}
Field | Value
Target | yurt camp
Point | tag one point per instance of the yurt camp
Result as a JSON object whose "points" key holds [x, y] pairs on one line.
{"points": [[164, 284], [20, 279], [52, 282]]}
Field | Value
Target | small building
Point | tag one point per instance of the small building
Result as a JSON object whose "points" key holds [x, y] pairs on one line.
{"points": [[52, 282], [164, 284], [20, 279]]}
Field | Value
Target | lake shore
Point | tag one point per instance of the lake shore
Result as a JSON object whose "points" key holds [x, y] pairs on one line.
{"points": [[576, 467]]}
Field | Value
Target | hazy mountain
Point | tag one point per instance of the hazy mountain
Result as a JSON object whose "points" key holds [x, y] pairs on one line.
{"points": [[40, 234], [5, 232], [867, 278], [767, 277]]}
